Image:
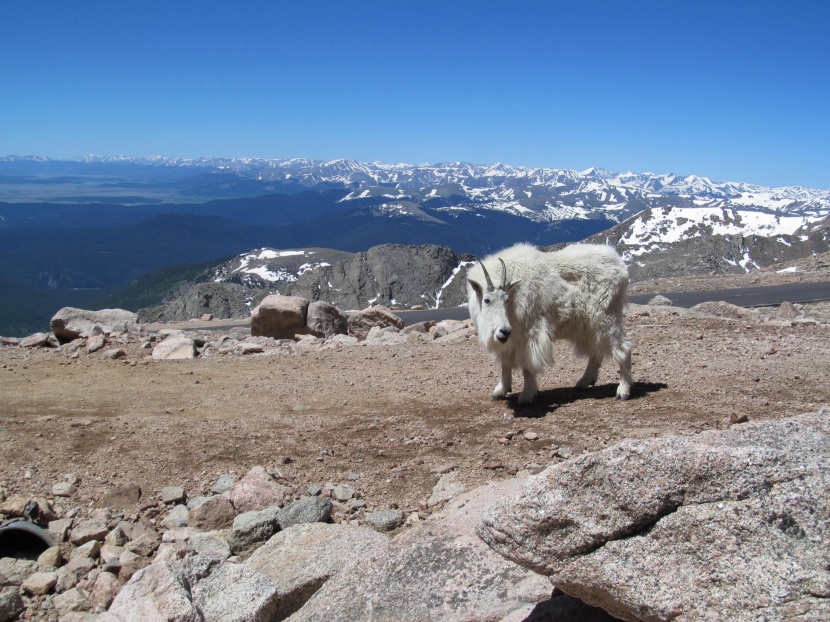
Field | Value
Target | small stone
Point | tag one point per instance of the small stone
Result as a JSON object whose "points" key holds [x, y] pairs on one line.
{"points": [[91, 549], [144, 545], [215, 513], [492, 465], [660, 301], [531, 436], [173, 494], [113, 354], [50, 558], [343, 492], [72, 600], [59, 529], [39, 583], [223, 484], [213, 542], [314, 509], [63, 489], [67, 579], [95, 343], [257, 490], [116, 537], [11, 604], [122, 496], [177, 517], [736, 418], [105, 590], [445, 468], [252, 528], [385, 520], [89, 530]]}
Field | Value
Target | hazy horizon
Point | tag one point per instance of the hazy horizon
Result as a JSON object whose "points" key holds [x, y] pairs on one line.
{"points": [[729, 91]]}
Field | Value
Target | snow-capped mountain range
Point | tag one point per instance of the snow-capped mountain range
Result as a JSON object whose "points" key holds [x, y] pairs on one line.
{"points": [[652, 212], [540, 194]]}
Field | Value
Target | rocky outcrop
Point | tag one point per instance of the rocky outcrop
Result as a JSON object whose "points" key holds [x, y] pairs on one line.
{"points": [[70, 323], [221, 300], [732, 522], [706, 252], [726, 524], [390, 275]]}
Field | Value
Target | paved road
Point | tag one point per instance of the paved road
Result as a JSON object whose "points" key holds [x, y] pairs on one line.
{"points": [[749, 296], [744, 297]]}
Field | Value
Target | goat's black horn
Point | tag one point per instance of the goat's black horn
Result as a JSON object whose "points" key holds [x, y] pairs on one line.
{"points": [[503, 274], [490, 287]]}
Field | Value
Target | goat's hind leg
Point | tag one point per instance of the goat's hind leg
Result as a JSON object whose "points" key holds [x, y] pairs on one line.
{"points": [[589, 378], [505, 385], [626, 379]]}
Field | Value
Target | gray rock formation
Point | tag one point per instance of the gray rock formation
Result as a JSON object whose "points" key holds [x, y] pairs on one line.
{"points": [[390, 274], [732, 523], [222, 300]]}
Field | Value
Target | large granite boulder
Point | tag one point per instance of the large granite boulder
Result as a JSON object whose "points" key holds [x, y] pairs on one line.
{"points": [[280, 317], [439, 570], [729, 525], [200, 588], [324, 320], [69, 323], [301, 558]]}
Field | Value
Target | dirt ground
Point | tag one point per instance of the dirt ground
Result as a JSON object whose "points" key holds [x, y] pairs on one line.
{"points": [[386, 420]]}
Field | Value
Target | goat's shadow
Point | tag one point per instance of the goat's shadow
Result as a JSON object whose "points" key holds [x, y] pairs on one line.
{"points": [[549, 400]]}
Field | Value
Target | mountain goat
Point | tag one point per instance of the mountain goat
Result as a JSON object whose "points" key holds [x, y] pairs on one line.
{"points": [[577, 294]]}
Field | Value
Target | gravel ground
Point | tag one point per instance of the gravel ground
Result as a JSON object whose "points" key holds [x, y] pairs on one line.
{"points": [[387, 420]]}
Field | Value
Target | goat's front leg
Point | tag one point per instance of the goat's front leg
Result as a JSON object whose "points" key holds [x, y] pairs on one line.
{"points": [[530, 389], [505, 385]]}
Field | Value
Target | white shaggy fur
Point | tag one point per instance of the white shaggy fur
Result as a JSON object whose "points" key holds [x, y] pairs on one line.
{"points": [[577, 294]]}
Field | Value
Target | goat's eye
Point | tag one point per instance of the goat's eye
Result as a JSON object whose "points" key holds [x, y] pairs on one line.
{"points": [[487, 301]]}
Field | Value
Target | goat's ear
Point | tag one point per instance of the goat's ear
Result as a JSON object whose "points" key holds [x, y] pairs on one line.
{"points": [[511, 286], [477, 288]]}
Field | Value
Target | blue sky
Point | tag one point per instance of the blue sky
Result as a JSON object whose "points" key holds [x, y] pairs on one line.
{"points": [[733, 90]]}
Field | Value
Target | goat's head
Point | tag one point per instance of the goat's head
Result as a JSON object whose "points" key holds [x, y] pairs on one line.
{"points": [[491, 306]]}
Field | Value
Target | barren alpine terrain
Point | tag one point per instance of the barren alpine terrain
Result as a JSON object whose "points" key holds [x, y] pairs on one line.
{"points": [[387, 420]]}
